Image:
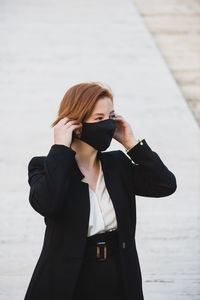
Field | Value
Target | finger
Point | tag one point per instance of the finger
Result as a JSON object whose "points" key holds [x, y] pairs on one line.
{"points": [[61, 122], [74, 126], [70, 123], [118, 116]]}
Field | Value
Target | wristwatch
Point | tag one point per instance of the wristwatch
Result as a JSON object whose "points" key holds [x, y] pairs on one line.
{"points": [[139, 141]]}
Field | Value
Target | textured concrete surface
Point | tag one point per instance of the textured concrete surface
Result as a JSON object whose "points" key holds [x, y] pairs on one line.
{"points": [[46, 47], [175, 27]]}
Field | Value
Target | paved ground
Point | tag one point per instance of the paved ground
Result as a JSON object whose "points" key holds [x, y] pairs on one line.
{"points": [[175, 27], [46, 47]]}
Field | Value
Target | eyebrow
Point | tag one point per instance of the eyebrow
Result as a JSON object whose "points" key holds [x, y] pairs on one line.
{"points": [[100, 114]]}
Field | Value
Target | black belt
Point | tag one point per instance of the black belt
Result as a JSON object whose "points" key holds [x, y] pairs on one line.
{"points": [[100, 246]]}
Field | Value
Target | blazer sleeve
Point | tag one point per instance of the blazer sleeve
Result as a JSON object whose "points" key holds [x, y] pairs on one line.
{"points": [[49, 178], [145, 172]]}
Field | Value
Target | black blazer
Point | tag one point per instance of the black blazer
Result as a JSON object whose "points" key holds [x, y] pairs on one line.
{"points": [[59, 195]]}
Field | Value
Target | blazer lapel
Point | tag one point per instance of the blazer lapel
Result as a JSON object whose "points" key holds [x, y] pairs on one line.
{"points": [[113, 182]]}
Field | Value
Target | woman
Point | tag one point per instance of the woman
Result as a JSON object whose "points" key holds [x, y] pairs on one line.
{"points": [[87, 199]]}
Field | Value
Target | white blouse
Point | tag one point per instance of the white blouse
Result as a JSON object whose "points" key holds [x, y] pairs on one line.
{"points": [[102, 214]]}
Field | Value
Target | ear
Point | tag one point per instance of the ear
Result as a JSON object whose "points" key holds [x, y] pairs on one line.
{"points": [[77, 132]]}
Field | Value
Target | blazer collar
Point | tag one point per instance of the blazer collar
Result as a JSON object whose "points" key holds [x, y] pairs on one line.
{"points": [[78, 172]]}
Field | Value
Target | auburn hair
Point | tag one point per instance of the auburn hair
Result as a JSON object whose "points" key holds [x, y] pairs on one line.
{"points": [[80, 99]]}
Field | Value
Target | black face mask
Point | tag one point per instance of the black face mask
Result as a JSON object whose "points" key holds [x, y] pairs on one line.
{"points": [[98, 134]]}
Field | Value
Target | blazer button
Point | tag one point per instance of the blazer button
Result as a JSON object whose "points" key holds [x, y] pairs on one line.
{"points": [[123, 244], [140, 141]]}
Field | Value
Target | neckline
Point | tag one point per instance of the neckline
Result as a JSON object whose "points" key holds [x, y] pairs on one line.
{"points": [[78, 171], [98, 179]]}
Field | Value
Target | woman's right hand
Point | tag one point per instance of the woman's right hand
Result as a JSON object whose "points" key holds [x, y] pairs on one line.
{"points": [[63, 131]]}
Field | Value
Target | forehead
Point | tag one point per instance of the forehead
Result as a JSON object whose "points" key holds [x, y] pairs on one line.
{"points": [[103, 105]]}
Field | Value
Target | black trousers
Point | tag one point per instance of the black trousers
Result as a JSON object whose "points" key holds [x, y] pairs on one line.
{"points": [[100, 279]]}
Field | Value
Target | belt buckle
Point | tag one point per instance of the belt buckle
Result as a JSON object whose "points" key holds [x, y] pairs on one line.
{"points": [[99, 248]]}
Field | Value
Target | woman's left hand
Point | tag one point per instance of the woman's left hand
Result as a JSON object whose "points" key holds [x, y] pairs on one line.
{"points": [[123, 133]]}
